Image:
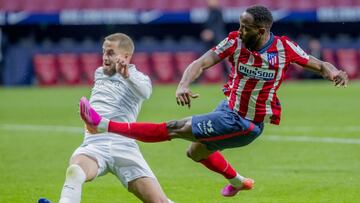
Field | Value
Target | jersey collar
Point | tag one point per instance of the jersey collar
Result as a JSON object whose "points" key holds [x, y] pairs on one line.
{"points": [[268, 44]]}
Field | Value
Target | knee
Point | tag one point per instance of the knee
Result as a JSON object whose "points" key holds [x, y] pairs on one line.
{"points": [[193, 155], [159, 199], [75, 173], [198, 151]]}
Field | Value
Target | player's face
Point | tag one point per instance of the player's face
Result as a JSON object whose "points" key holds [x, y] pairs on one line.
{"points": [[111, 52], [249, 33]]}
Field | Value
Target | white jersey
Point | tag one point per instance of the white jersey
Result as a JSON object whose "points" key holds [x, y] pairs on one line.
{"points": [[118, 99]]}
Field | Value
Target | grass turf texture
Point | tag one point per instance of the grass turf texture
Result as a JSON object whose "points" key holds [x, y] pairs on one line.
{"points": [[35, 155]]}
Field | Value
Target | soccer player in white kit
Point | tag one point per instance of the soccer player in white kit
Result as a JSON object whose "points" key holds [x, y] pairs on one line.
{"points": [[118, 93]]}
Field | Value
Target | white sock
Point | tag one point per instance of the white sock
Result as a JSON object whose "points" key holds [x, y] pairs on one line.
{"points": [[71, 192], [237, 180], [103, 125]]}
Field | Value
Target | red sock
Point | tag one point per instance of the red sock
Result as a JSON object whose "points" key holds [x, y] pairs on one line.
{"points": [[145, 132], [216, 162]]}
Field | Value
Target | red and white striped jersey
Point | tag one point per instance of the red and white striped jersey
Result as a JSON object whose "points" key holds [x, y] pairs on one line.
{"points": [[256, 75]]}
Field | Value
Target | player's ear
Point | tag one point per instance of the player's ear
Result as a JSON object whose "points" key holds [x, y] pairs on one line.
{"points": [[127, 55], [262, 31]]}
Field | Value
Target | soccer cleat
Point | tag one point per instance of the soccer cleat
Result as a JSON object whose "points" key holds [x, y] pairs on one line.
{"points": [[89, 115], [229, 190], [43, 200]]}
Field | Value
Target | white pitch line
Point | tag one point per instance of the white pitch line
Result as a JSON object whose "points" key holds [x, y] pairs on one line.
{"points": [[266, 137], [310, 139], [347, 129], [42, 128]]}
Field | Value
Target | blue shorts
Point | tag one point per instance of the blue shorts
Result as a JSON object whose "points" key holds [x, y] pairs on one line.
{"points": [[224, 128]]}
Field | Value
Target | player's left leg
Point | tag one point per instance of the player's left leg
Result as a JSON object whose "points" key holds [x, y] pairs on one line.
{"points": [[82, 168], [135, 174], [148, 190], [215, 161]]}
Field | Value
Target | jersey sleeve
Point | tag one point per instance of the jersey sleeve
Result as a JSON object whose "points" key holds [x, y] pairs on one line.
{"points": [[98, 73], [140, 83], [295, 53], [226, 47]]}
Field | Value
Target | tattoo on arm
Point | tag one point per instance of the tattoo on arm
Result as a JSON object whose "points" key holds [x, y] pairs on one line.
{"points": [[177, 124]]}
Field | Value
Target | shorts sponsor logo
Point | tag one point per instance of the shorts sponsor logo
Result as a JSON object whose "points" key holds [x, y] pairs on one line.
{"points": [[257, 73], [206, 127]]}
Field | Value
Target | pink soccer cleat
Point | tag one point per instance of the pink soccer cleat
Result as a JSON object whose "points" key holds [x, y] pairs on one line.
{"points": [[89, 115], [229, 190]]}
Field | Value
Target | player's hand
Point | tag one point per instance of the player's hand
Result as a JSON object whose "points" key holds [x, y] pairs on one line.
{"points": [[184, 96], [91, 129], [341, 79], [122, 67]]}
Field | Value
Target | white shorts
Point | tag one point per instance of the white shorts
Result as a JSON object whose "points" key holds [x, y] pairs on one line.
{"points": [[123, 159]]}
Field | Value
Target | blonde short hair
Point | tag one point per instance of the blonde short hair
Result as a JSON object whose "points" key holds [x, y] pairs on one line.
{"points": [[125, 42]]}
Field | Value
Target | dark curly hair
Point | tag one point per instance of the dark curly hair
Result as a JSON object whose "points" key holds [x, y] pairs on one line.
{"points": [[262, 15]]}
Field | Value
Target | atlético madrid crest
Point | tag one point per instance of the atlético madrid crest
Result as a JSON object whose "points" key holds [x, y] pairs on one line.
{"points": [[272, 58]]}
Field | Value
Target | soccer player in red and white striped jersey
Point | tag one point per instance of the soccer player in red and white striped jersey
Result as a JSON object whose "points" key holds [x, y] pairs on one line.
{"points": [[259, 61]]}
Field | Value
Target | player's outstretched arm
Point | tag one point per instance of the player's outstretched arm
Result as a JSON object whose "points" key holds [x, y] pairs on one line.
{"points": [[192, 72], [328, 71]]}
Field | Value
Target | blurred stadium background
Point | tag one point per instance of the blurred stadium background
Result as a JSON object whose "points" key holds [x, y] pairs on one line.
{"points": [[59, 41], [312, 157]]}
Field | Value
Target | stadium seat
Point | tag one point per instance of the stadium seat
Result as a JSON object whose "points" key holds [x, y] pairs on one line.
{"points": [[142, 63], [32, 5], [344, 3], [347, 60], [159, 4], [179, 5], [324, 3], [45, 68], [328, 55], [117, 4], [293, 72], [139, 5], [213, 75], [89, 62], [7, 5], [69, 68], [304, 5], [198, 4], [51, 6], [182, 60], [245, 3], [163, 67], [284, 4]]}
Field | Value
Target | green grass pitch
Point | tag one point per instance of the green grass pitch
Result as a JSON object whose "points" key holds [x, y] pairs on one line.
{"points": [[314, 156]]}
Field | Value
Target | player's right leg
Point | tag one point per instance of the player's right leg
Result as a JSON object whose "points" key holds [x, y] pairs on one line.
{"points": [[220, 130], [81, 168], [145, 132]]}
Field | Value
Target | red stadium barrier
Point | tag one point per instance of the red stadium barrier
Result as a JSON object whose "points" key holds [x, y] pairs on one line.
{"points": [[183, 59], [213, 74], [347, 60], [142, 63], [328, 55], [69, 68], [89, 63], [45, 68], [163, 67]]}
